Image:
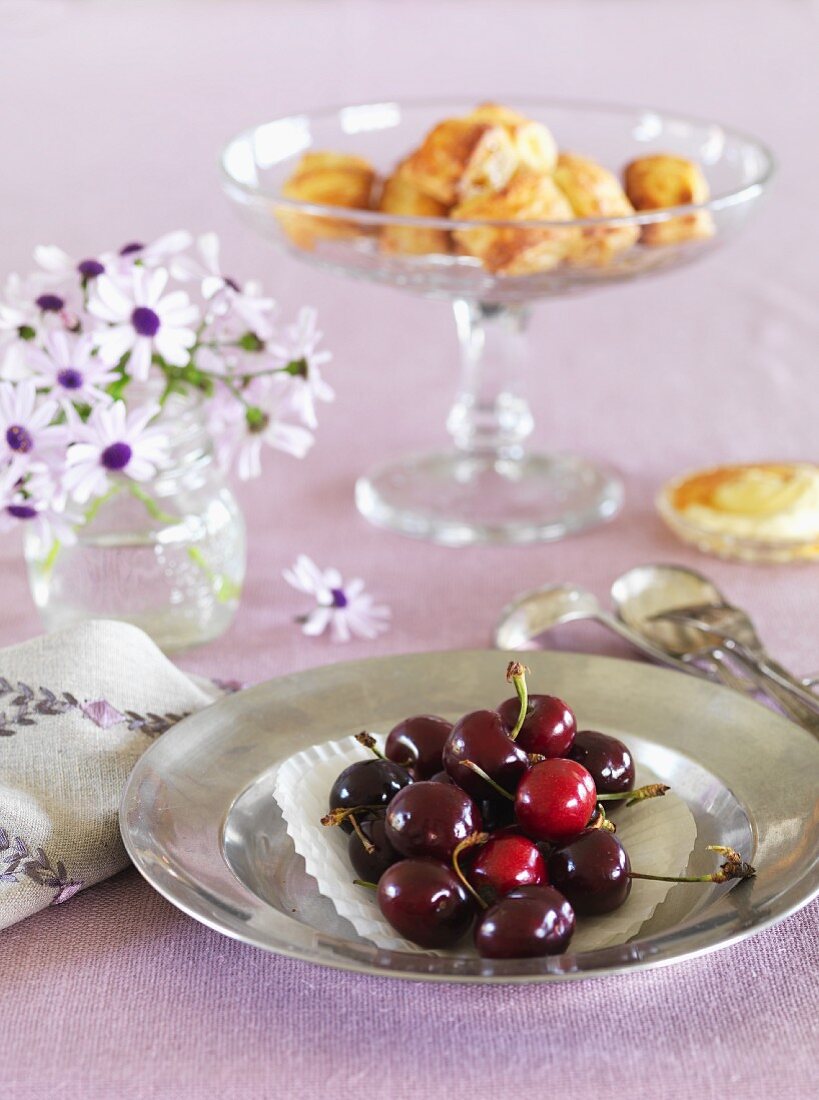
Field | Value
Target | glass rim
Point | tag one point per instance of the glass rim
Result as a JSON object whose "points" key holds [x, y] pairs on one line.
{"points": [[376, 218]]}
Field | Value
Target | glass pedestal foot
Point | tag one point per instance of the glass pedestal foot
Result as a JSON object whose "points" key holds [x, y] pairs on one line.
{"points": [[460, 499]]}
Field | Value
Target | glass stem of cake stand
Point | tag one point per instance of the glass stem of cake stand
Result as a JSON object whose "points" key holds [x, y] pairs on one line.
{"points": [[491, 416]]}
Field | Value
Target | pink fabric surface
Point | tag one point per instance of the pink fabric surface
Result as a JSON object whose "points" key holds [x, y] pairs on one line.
{"points": [[112, 115]]}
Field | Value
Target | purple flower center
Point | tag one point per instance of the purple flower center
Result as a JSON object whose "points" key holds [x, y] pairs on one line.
{"points": [[50, 303], [116, 456], [90, 269], [232, 284], [19, 439], [131, 247], [70, 378], [339, 598], [145, 321], [21, 511]]}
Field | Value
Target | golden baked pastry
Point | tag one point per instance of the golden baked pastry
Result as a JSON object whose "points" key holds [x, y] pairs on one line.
{"points": [[756, 512], [460, 156], [401, 196], [533, 142], [328, 179], [594, 192], [660, 181], [506, 250]]}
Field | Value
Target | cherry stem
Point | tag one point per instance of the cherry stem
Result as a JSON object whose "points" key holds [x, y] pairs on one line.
{"points": [[651, 790], [368, 847], [469, 842], [602, 822], [368, 741], [734, 867], [336, 816], [473, 767], [516, 674], [363, 882]]}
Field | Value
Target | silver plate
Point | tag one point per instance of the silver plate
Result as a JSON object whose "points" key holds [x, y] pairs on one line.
{"points": [[200, 823]]}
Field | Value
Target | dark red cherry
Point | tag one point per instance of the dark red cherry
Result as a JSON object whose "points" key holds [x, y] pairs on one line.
{"points": [[496, 813], [482, 738], [367, 783], [592, 871], [425, 902], [607, 759], [555, 800], [370, 866], [504, 863], [528, 923], [418, 743], [441, 777], [431, 819], [548, 728]]}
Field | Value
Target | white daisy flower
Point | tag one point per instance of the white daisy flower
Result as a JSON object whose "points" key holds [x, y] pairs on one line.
{"points": [[27, 310], [242, 430], [141, 321], [156, 253], [111, 443], [27, 436], [60, 269], [346, 609], [302, 382], [225, 296], [36, 501], [70, 370]]}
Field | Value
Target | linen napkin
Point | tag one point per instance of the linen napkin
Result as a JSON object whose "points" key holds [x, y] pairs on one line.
{"points": [[77, 709]]}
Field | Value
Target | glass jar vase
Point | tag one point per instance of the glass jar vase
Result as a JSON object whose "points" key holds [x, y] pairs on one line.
{"points": [[167, 555]]}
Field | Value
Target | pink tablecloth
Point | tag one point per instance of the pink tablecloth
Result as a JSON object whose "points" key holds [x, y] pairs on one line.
{"points": [[111, 117]]}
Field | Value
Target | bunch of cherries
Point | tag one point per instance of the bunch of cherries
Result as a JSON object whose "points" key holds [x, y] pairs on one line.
{"points": [[500, 816]]}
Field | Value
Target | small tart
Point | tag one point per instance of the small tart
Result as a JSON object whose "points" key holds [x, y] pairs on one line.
{"points": [[760, 511]]}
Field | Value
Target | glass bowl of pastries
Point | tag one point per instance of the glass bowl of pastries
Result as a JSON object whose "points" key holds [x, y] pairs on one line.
{"points": [[492, 202], [494, 206]]}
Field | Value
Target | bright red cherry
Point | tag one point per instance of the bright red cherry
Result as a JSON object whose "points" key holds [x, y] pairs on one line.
{"points": [[555, 800], [607, 759], [592, 871], [425, 902], [528, 923], [548, 728], [504, 863], [431, 821], [418, 743], [482, 738]]}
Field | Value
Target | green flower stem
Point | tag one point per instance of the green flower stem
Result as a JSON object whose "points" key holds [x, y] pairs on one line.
{"points": [[225, 589], [47, 563], [151, 506], [94, 508]]}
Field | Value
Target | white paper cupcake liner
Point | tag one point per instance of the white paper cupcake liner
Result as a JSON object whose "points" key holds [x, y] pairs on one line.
{"points": [[659, 836]]}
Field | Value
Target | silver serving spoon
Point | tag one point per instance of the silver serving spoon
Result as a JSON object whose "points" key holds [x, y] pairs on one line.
{"points": [[647, 598], [542, 609]]}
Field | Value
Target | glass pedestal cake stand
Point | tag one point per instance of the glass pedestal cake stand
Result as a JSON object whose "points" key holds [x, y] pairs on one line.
{"points": [[487, 486]]}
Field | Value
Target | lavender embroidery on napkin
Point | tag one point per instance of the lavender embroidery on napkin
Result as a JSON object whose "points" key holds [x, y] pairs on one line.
{"points": [[28, 704], [17, 861], [102, 714]]}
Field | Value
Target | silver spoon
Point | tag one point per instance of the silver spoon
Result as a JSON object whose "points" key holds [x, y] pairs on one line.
{"points": [[541, 609], [646, 596], [731, 627]]}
